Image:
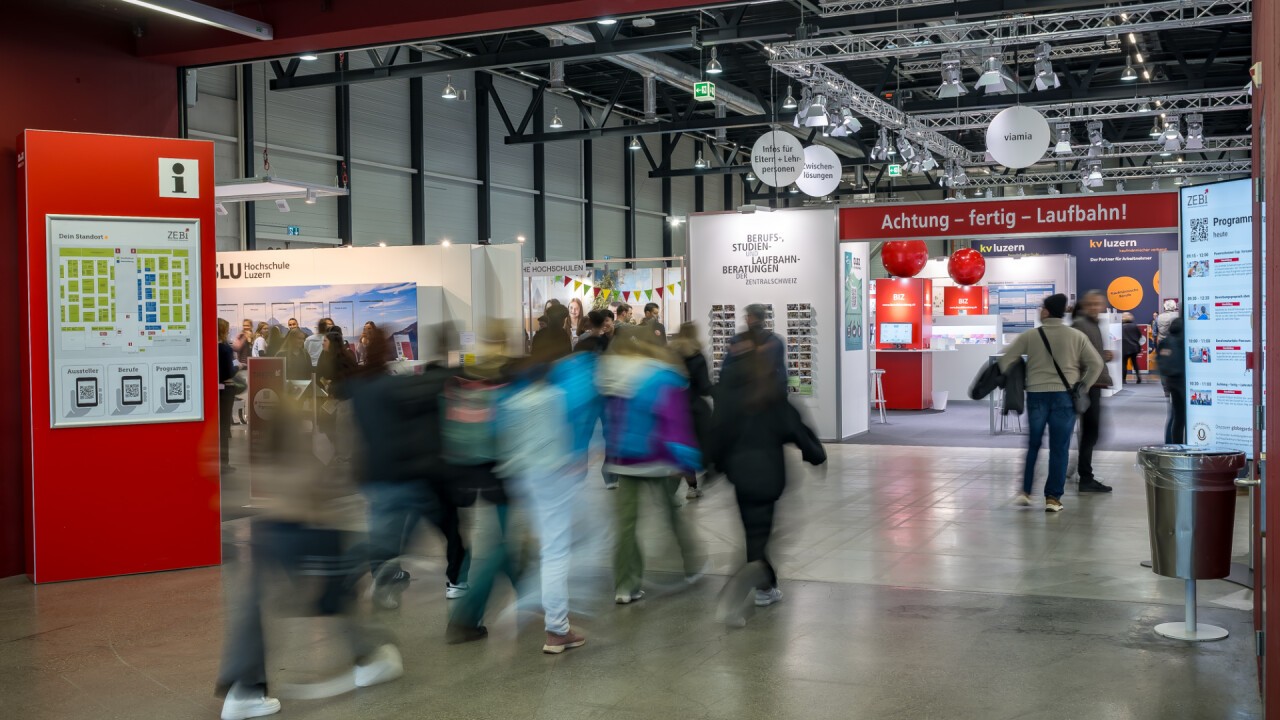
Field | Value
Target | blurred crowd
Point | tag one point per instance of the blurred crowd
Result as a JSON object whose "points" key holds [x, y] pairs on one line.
{"points": [[499, 434]]}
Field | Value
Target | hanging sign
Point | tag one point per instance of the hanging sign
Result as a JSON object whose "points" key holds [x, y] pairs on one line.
{"points": [[704, 91], [554, 268], [777, 158], [822, 170], [1018, 137], [894, 171]]}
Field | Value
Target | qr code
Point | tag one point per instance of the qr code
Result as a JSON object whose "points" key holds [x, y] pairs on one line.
{"points": [[86, 394], [132, 391], [1199, 229]]}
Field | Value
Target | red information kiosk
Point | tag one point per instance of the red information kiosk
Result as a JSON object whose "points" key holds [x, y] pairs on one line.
{"points": [[120, 412], [904, 322]]}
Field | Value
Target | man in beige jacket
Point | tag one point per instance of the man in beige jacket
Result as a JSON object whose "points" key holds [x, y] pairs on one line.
{"points": [[1049, 399]]}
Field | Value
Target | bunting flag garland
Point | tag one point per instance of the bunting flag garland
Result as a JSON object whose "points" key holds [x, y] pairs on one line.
{"points": [[671, 289], [659, 292], [567, 280], [607, 293], [576, 285], [627, 295], [597, 291], [648, 294]]}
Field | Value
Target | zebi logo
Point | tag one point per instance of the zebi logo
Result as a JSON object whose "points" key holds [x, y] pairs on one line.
{"points": [[1198, 199]]}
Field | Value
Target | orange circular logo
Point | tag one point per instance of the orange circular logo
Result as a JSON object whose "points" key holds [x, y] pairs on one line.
{"points": [[1124, 293], [1155, 282]]}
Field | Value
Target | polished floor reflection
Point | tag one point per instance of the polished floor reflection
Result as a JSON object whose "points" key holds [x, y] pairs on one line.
{"points": [[914, 589]]}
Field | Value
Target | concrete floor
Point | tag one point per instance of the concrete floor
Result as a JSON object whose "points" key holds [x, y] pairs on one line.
{"points": [[914, 589]]}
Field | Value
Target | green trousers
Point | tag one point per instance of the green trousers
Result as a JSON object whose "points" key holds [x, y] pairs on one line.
{"points": [[628, 562]]}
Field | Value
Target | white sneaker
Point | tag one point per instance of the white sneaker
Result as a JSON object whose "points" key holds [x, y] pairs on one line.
{"points": [[383, 665], [1022, 499], [765, 598], [453, 592], [628, 598], [239, 706]]}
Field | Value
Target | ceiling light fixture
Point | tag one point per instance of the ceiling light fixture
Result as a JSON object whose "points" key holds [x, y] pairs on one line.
{"points": [[816, 115], [880, 152], [1138, 56], [952, 80], [1156, 130], [1172, 136], [1195, 132], [906, 149], [556, 122], [1064, 139], [449, 92], [635, 144], [847, 124], [1097, 144], [714, 67], [995, 80], [1133, 39], [700, 163], [1146, 74], [205, 15], [1129, 74], [311, 197], [282, 205], [1046, 78], [794, 189], [308, 57], [519, 238], [445, 242], [607, 21], [790, 102]]}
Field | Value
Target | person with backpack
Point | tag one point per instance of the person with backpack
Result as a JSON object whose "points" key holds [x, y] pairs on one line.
{"points": [[548, 466], [470, 445], [752, 422], [649, 444], [689, 348]]}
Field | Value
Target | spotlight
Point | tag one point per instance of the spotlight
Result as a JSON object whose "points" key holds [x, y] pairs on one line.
{"points": [[1053, 190], [880, 152], [308, 57], [700, 163], [751, 177], [635, 144], [906, 149], [1096, 142], [445, 243], [816, 115], [1144, 107], [1179, 180], [995, 79], [1155, 184], [449, 92], [952, 81], [1046, 78], [1156, 130], [607, 21], [382, 243], [847, 124], [714, 67], [1172, 136], [1064, 139], [519, 238], [220, 208], [556, 122], [1095, 172], [1129, 74], [806, 100], [1195, 132], [929, 163], [790, 102], [990, 193], [1022, 192], [282, 205], [1119, 186], [794, 189]]}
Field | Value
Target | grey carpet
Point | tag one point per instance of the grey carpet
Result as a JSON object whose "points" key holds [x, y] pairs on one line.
{"points": [[1132, 418]]}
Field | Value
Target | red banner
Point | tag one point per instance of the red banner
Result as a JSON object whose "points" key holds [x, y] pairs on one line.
{"points": [[1042, 215], [965, 300]]}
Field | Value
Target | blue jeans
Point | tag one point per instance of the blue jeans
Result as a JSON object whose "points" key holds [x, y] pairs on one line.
{"points": [[552, 499], [1058, 412], [394, 511]]}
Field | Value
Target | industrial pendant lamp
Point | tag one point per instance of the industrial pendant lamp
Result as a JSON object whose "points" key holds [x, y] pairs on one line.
{"points": [[790, 102], [816, 115], [714, 67], [449, 92], [700, 163], [556, 122], [635, 144], [1129, 74], [1064, 140], [1156, 130]]}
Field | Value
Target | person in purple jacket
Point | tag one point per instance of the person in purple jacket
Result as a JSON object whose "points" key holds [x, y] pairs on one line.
{"points": [[649, 445]]}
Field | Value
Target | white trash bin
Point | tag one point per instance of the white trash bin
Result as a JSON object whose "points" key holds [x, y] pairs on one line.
{"points": [[940, 400]]}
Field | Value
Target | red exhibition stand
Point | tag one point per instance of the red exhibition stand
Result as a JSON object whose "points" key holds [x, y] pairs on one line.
{"points": [[904, 323], [965, 300], [120, 430]]}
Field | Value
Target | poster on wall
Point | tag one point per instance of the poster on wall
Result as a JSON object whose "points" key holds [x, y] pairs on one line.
{"points": [[1126, 268], [854, 276], [582, 288], [1217, 285], [391, 306], [125, 344]]}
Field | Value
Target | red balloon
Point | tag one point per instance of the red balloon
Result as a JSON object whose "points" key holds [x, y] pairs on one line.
{"points": [[966, 266], [904, 258]]}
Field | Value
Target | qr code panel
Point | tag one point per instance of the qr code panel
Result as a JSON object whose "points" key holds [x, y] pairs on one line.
{"points": [[132, 391], [87, 393], [1199, 229], [177, 387]]}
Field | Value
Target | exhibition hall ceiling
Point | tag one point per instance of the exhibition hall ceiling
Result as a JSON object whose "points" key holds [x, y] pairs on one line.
{"points": [[1108, 75]]}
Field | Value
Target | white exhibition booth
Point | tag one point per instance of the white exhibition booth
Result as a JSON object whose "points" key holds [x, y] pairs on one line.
{"points": [[816, 288], [461, 284]]}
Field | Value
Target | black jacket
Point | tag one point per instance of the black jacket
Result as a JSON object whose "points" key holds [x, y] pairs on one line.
{"points": [[1171, 354], [1014, 383], [398, 417], [747, 442], [592, 343], [700, 388], [1131, 338]]}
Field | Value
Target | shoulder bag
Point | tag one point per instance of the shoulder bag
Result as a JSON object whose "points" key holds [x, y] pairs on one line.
{"points": [[1079, 393]]}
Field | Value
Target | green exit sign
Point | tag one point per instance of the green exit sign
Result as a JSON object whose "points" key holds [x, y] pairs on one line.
{"points": [[895, 171], [704, 91], [294, 230]]}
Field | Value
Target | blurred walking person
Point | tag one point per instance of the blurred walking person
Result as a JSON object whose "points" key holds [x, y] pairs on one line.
{"points": [[545, 429], [303, 562], [1172, 361], [753, 421], [1059, 357], [1131, 347], [688, 348], [767, 342], [228, 388], [1091, 306], [649, 444]]}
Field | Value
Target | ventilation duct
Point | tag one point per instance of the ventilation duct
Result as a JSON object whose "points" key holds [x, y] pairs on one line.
{"points": [[556, 75]]}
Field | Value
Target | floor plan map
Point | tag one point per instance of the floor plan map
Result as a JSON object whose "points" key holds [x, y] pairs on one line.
{"points": [[125, 341]]}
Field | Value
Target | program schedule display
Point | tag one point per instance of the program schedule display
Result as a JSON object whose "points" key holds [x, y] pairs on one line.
{"points": [[1217, 267], [123, 302]]}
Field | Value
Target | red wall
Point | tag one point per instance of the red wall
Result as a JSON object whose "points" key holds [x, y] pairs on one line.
{"points": [[81, 77]]}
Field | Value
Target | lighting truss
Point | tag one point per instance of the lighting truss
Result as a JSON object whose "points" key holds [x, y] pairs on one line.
{"points": [[1017, 29], [980, 118], [1105, 46], [865, 103], [1148, 172], [1136, 148], [836, 8]]}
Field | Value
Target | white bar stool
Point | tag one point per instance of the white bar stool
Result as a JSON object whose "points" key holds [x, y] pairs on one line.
{"points": [[877, 394]]}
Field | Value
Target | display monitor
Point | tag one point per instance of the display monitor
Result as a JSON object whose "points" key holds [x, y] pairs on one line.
{"points": [[895, 333]]}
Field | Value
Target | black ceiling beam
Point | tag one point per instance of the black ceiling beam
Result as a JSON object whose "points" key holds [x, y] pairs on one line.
{"points": [[692, 125]]}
